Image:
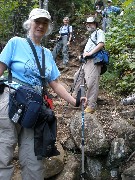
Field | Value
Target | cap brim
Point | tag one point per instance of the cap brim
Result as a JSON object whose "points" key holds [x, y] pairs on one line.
{"points": [[39, 16], [90, 21], [98, 10]]}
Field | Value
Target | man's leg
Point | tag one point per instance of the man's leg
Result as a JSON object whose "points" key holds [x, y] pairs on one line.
{"points": [[104, 24], [65, 50], [56, 49], [92, 76], [108, 23], [8, 138]]}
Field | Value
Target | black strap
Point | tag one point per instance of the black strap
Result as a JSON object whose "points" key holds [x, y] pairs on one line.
{"points": [[41, 70], [68, 30], [95, 37], [9, 76]]}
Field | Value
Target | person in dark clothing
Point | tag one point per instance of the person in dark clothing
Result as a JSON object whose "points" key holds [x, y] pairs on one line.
{"points": [[99, 5]]}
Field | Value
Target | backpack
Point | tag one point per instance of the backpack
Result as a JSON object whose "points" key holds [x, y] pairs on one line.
{"points": [[73, 37]]}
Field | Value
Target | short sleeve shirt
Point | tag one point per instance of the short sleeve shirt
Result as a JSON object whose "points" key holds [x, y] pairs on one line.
{"points": [[111, 9], [18, 56], [97, 36], [65, 29]]}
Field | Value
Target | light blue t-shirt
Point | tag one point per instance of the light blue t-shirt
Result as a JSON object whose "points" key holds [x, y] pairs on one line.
{"points": [[18, 56]]}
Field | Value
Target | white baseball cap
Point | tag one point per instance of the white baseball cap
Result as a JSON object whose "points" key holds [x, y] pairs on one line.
{"points": [[39, 13], [98, 10], [109, 1], [90, 20]]}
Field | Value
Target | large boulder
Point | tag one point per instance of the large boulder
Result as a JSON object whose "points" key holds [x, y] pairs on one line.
{"points": [[95, 142]]}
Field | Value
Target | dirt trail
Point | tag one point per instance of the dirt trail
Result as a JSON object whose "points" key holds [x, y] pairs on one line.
{"points": [[106, 104]]}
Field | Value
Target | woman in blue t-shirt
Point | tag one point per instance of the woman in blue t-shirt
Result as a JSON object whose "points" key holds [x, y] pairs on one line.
{"points": [[18, 56]]}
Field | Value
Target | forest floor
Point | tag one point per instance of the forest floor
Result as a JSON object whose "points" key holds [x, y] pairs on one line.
{"points": [[106, 103]]}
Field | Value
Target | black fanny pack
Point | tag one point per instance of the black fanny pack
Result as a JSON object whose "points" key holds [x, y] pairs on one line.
{"points": [[64, 34]]}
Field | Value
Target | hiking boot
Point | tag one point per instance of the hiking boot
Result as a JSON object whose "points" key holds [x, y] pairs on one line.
{"points": [[62, 66], [65, 67], [89, 110]]}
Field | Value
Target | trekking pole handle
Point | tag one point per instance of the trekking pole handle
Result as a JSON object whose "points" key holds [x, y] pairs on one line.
{"points": [[82, 90]]}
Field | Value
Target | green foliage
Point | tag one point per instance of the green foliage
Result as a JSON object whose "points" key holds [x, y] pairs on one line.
{"points": [[12, 14], [120, 38], [120, 42], [6, 9]]}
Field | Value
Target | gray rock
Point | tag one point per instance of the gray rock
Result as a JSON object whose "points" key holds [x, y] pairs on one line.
{"points": [[118, 152], [71, 169], [54, 165], [129, 173], [94, 137]]}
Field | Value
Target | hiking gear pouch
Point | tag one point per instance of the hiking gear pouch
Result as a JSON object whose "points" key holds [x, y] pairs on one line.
{"points": [[24, 106], [101, 57]]}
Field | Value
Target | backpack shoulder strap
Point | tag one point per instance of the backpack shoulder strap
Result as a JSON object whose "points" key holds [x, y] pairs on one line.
{"points": [[41, 69], [96, 35], [68, 29], [61, 28], [95, 38]]}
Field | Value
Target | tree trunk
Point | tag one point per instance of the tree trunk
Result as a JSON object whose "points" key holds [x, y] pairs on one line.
{"points": [[43, 4]]}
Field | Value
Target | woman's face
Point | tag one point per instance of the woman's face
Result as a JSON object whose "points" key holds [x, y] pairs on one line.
{"points": [[38, 27]]}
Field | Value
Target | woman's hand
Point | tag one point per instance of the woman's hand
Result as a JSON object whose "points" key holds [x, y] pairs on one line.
{"points": [[80, 98], [84, 101]]}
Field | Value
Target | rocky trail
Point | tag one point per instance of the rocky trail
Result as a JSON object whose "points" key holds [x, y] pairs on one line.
{"points": [[107, 106]]}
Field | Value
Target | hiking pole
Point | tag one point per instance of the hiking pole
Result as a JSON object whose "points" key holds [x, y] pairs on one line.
{"points": [[72, 88], [82, 95]]}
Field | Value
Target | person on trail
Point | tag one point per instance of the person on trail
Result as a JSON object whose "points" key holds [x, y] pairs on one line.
{"points": [[89, 72], [63, 42], [18, 56], [99, 5], [106, 12], [99, 18]]}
